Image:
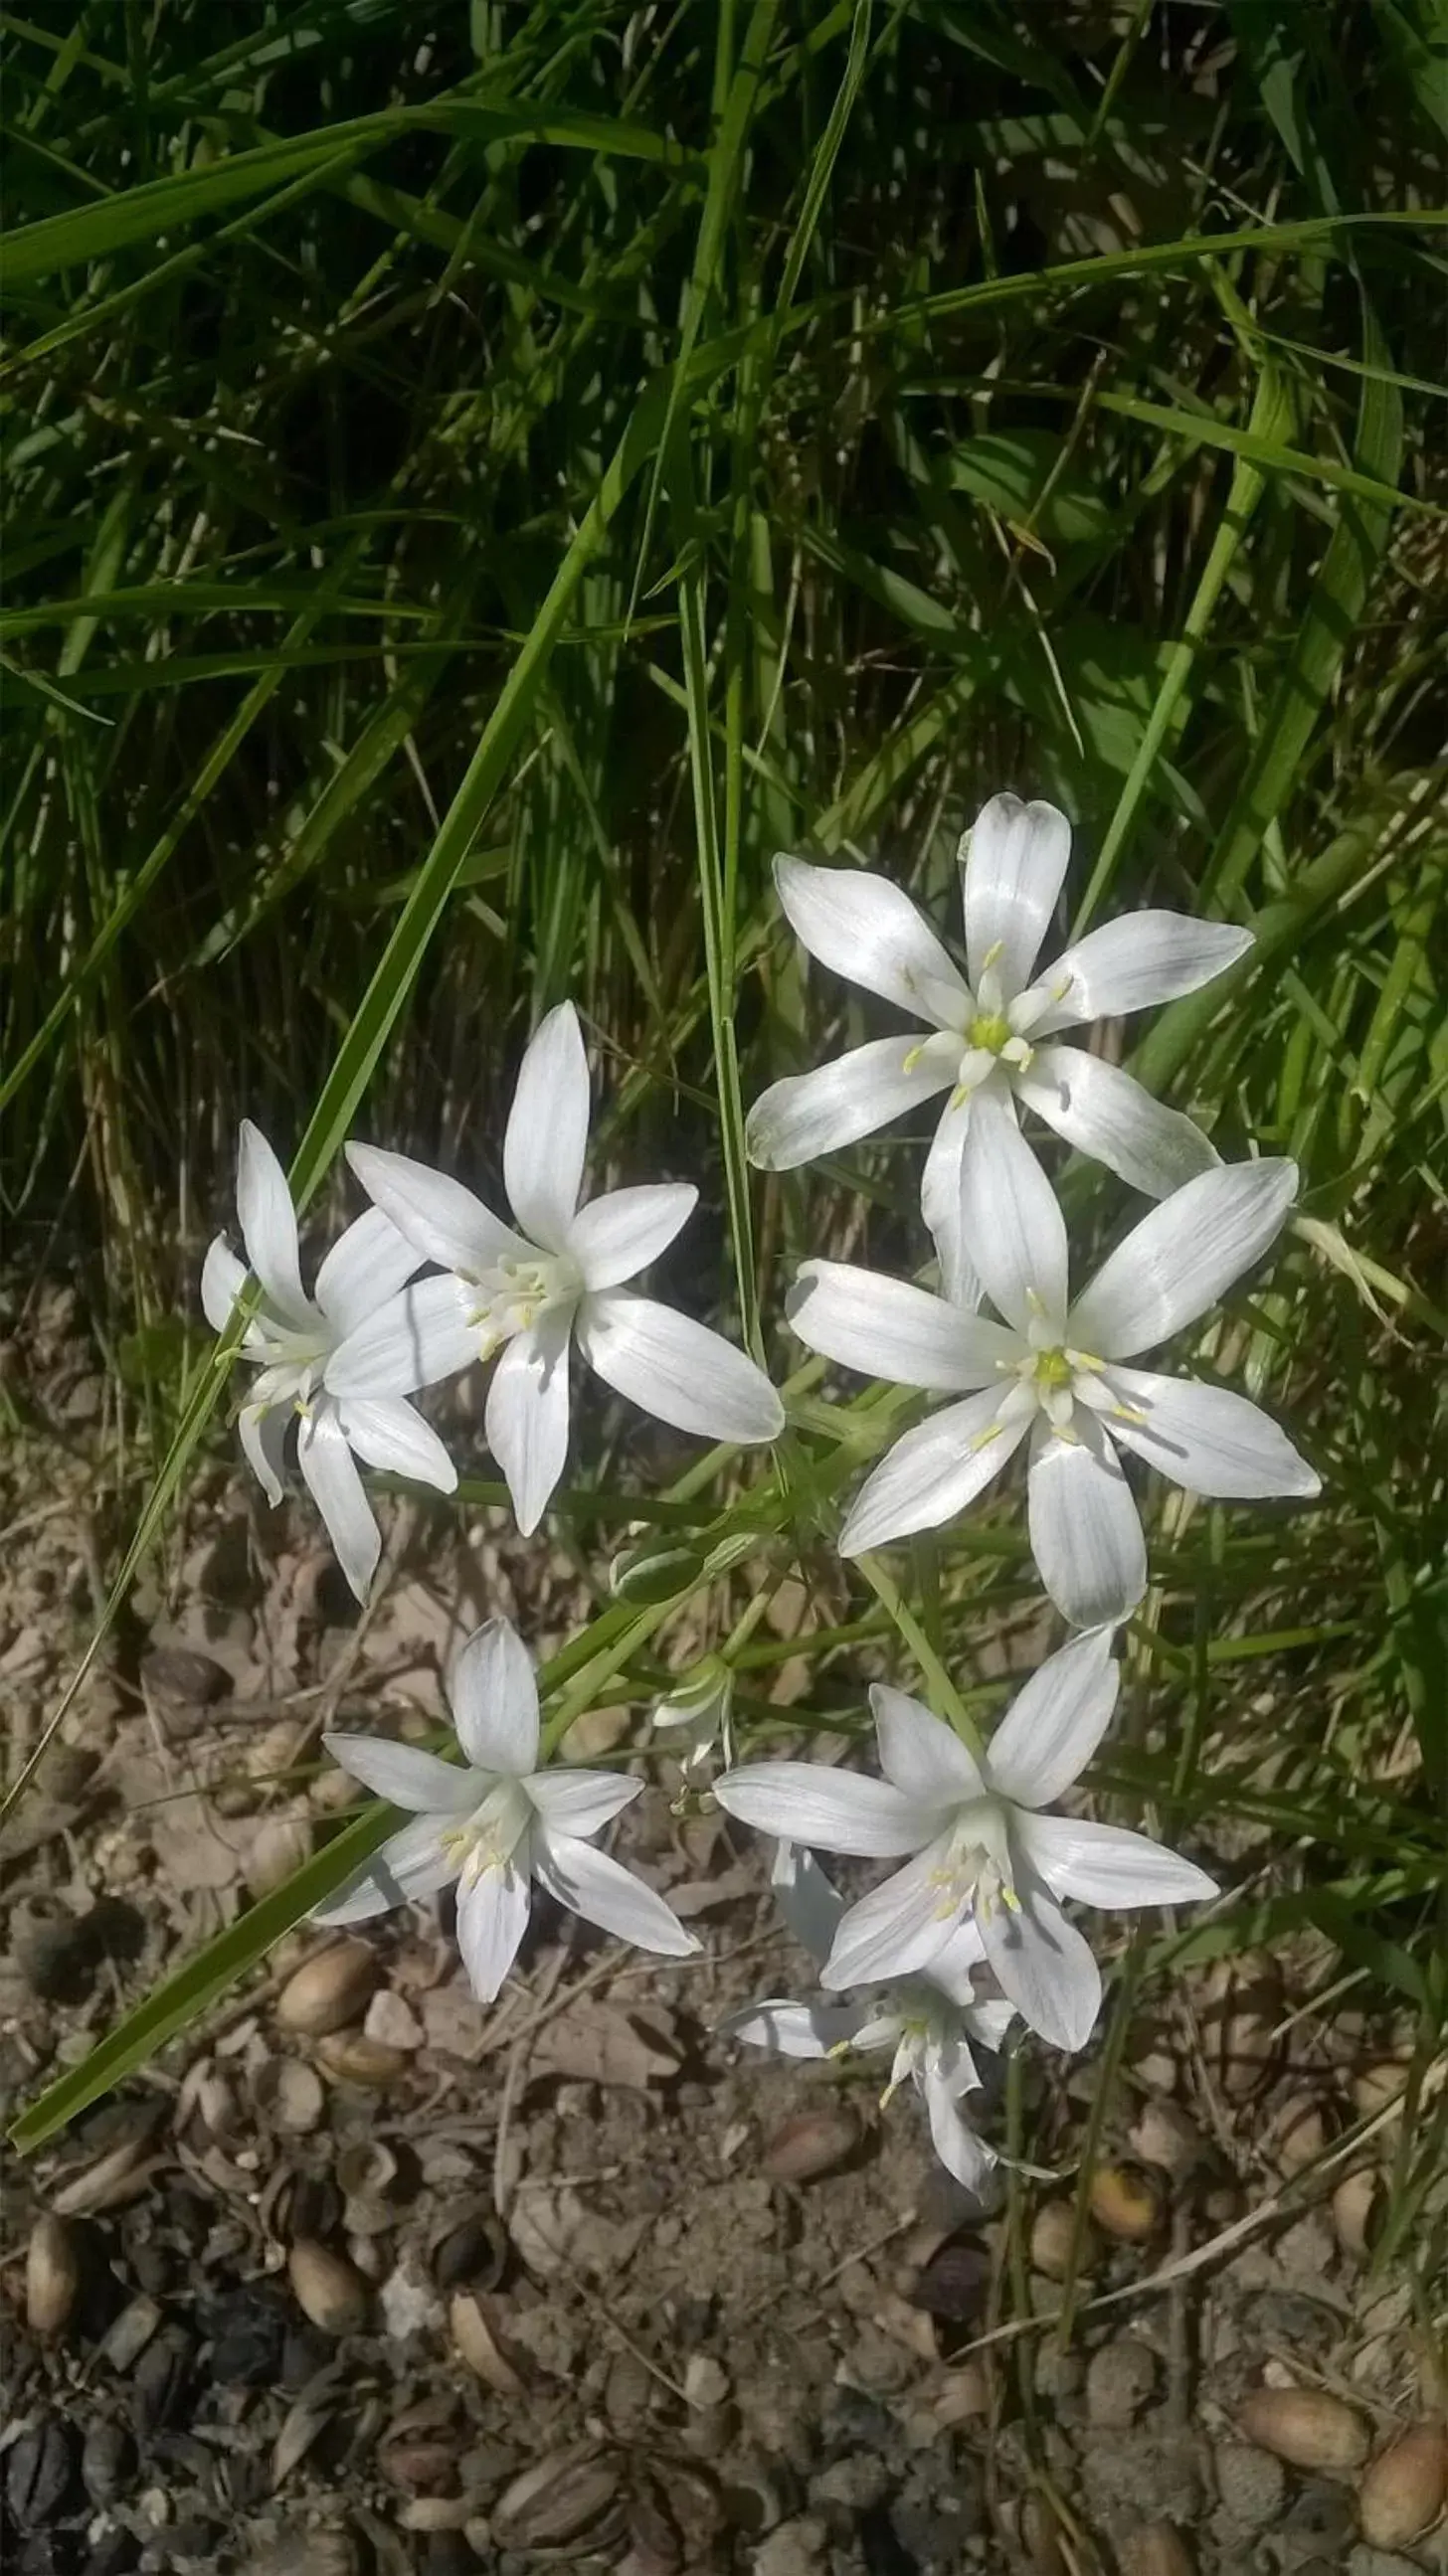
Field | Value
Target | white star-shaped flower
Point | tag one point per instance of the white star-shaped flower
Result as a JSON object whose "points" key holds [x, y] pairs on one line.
{"points": [[982, 1860], [993, 1030], [498, 1823], [930, 2024], [524, 1297], [1053, 1371], [289, 1341]]}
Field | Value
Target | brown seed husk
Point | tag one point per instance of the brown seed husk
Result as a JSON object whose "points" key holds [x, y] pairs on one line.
{"points": [[1157, 2549], [1052, 2237], [1307, 2427], [1404, 2489], [52, 2274], [1126, 2202], [328, 1990], [350, 2057], [471, 2320], [1354, 2204], [328, 2289], [556, 2500], [810, 2145]]}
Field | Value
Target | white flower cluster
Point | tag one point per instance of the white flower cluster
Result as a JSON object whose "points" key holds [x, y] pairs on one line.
{"points": [[969, 1932]]}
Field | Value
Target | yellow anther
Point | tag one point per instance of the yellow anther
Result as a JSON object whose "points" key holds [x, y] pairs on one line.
{"points": [[996, 950], [913, 1058], [983, 1439]]}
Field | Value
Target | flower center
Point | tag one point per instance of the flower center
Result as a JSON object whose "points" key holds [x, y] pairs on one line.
{"points": [[1052, 1368], [488, 1838], [512, 1294], [976, 1869], [991, 1030]]}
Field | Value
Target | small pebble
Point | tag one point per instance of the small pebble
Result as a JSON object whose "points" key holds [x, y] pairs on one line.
{"points": [[1306, 2426], [797, 2548]]}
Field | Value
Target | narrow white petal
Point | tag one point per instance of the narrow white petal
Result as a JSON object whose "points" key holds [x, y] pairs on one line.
{"points": [[366, 1265], [619, 1234], [424, 1334], [389, 1434], [337, 1490], [263, 1429], [445, 1221], [405, 1775], [676, 1369], [1012, 1227], [940, 1202], [961, 2151], [1182, 1257], [887, 1328], [867, 929], [932, 1473], [793, 2030], [1015, 867], [492, 1919], [1206, 1438], [223, 1278], [581, 1802], [547, 1132], [269, 1225], [1084, 1526], [1100, 1109], [987, 2023], [809, 1114], [412, 1864], [1055, 1722], [898, 1928], [830, 1810], [526, 1416], [1107, 1866], [1128, 965], [1045, 1967], [811, 1906], [606, 1893], [923, 1757], [493, 1694]]}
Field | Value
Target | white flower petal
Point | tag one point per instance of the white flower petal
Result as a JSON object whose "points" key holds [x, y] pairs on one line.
{"points": [[953, 1967], [895, 1930], [445, 1221], [619, 1234], [1207, 1439], [525, 1420], [961, 2151], [581, 1802], [676, 1369], [1144, 958], [412, 1864], [1182, 1257], [1045, 1967], [492, 1691], [366, 1265], [932, 1473], [492, 1919], [269, 1226], [606, 1893], [793, 2030], [809, 1114], [1100, 1109], [1055, 1722], [830, 1810], [987, 2023], [223, 1278], [887, 1328], [924, 1758], [1015, 867], [1085, 1529], [390, 1435], [426, 1333], [940, 1202], [337, 1490], [405, 1775], [1012, 1228], [263, 1429], [547, 1132], [867, 929], [811, 1907], [1105, 1865]]}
